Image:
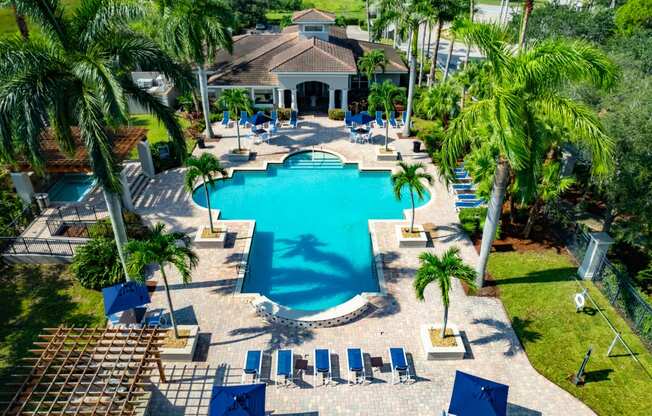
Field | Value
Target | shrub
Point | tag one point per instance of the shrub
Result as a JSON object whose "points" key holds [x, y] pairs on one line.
{"points": [[341, 21], [284, 113], [473, 219], [216, 117], [336, 114], [173, 159], [432, 136], [96, 264], [134, 224]]}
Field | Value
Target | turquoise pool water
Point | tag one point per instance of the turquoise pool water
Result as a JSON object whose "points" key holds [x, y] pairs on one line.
{"points": [[312, 248], [71, 188]]}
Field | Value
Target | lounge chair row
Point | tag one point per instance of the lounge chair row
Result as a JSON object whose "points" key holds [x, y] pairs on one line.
{"points": [[287, 365], [464, 190], [244, 119], [379, 122]]}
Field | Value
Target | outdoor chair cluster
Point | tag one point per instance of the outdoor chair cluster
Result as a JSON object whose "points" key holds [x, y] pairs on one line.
{"points": [[349, 120], [464, 189], [123, 306], [263, 128], [287, 366]]}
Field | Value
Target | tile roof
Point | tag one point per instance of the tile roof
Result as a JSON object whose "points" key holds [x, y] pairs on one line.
{"points": [[314, 55], [312, 16]]}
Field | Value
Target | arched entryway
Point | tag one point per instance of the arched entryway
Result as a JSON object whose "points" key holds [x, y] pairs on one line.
{"points": [[312, 97]]}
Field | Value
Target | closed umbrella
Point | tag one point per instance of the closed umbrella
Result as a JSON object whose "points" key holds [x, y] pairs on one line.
{"points": [[259, 118], [124, 296], [243, 400], [476, 396]]}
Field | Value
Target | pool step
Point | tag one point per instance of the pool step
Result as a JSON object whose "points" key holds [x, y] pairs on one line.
{"points": [[314, 164]]}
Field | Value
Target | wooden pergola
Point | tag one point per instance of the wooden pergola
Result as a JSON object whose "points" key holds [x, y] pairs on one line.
{"points": [[88, 371]]}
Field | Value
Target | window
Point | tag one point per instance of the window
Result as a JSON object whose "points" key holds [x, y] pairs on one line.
{"points": [[313, 28], [359, 82], [263, 97]]}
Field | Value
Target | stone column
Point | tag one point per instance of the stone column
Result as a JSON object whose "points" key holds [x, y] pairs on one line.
{"points": [[253, 96], [281, 98], [23, 185], [595, 253], [145, 157], [294, 105], [127, 201], [331, 98], [274, 97], [345, 100]]}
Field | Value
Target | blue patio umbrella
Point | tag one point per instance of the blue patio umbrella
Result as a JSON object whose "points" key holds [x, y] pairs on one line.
{"points": [[362, 118], [475, 396], [259, 118], [243, 400], [124, 296]]}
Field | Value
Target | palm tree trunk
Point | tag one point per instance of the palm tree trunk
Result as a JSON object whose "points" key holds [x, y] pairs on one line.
{"points": [[423, 54], [395, 35], [386, 129], [527, 10], [369, 38], [501, 179], [449, 57], [413, 70], [167, 294], [20, 22], [433, 60], [203, 90], [429, 39], [208, 205], [534, 210], [412, 221], [114, 207], [443, 327], [237, 129], [195, 100]]}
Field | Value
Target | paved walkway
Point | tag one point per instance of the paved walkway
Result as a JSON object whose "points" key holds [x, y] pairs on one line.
{"points": [[229, 326]]}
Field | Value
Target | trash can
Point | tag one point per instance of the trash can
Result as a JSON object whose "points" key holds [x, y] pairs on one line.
{"points": [[416, 146], [200, 143], [42, 200]]}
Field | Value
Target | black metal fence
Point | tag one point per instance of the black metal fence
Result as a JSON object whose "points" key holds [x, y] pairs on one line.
{"points": [[39, 246], [79, 213], [615, 284]]}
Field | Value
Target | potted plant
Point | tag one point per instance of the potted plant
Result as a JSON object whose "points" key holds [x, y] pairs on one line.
{"points": [[442, 341], [236, 100], [206, 167], [412, 178]]}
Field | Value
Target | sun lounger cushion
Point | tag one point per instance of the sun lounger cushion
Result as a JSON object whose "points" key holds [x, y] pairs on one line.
{"points": [[355, 359], [398, 358], [284, 364], [322, 361], [253, 362]]}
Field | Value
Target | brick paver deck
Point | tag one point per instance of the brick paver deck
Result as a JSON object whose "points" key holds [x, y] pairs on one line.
{"points": [[229, 326]]}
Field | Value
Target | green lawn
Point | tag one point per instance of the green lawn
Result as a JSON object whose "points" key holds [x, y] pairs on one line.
{"points": [[348, 8], [537, 290], [35, 297], [155, 130], [8, 21]]}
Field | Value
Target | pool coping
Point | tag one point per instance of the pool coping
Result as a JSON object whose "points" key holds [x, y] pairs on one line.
{"points": [[336, 315]]}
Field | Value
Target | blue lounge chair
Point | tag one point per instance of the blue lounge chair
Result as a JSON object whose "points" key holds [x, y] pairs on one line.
{"points": [[225, 119], [460, 170], [252, 365], [114, 318], [244, 118], [404, 118], [392, 120], [356, 365], [379, 119], [293, 119], [462, 176], [347, 119], [466, 197], [469, 203], [155, 317], [284, 366], [400, 366], [274, 117], [322, 365], [462, 186]]}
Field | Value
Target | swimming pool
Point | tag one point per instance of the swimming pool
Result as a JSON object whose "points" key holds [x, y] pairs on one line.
{"points": [[312, 248], [71, 188]]}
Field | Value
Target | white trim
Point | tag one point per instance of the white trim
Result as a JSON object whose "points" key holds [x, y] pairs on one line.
{"points": [[315, 73]]}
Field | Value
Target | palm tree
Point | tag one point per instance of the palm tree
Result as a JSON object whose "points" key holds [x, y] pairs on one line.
{"points": [[384, 96], [549, 189], [441, 269], [205, 168], [440, 102], [446, 11], [456, 30], [163, 248], [195, 30], [528, 5], [408, 15], [522, 90], [370, 61], [78, 73], [411, 177], [235, 100], [21, 22]]}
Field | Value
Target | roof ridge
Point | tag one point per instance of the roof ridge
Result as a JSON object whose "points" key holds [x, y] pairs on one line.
{"points": [[258, 52], [299, 14]]}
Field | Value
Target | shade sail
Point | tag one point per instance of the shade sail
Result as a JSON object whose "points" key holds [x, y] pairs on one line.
{"points": [[243, 400], [124, 296], [476, 396]]}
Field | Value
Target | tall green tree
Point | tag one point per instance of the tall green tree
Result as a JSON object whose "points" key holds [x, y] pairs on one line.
{"points": [[442, 270], [195, 30], [411, 177], [446, 11], [441, 102], [204, 167], [384, 96], [78, 73], [372, 61], [526, 89], [235, 100], [19, 16], [163, 249]]}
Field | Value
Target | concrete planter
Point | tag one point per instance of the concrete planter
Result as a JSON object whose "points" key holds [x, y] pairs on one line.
{"points": [[381, 155], [419, 241], [239, 156], [211, 242], [186, 353], [442, 353]]}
